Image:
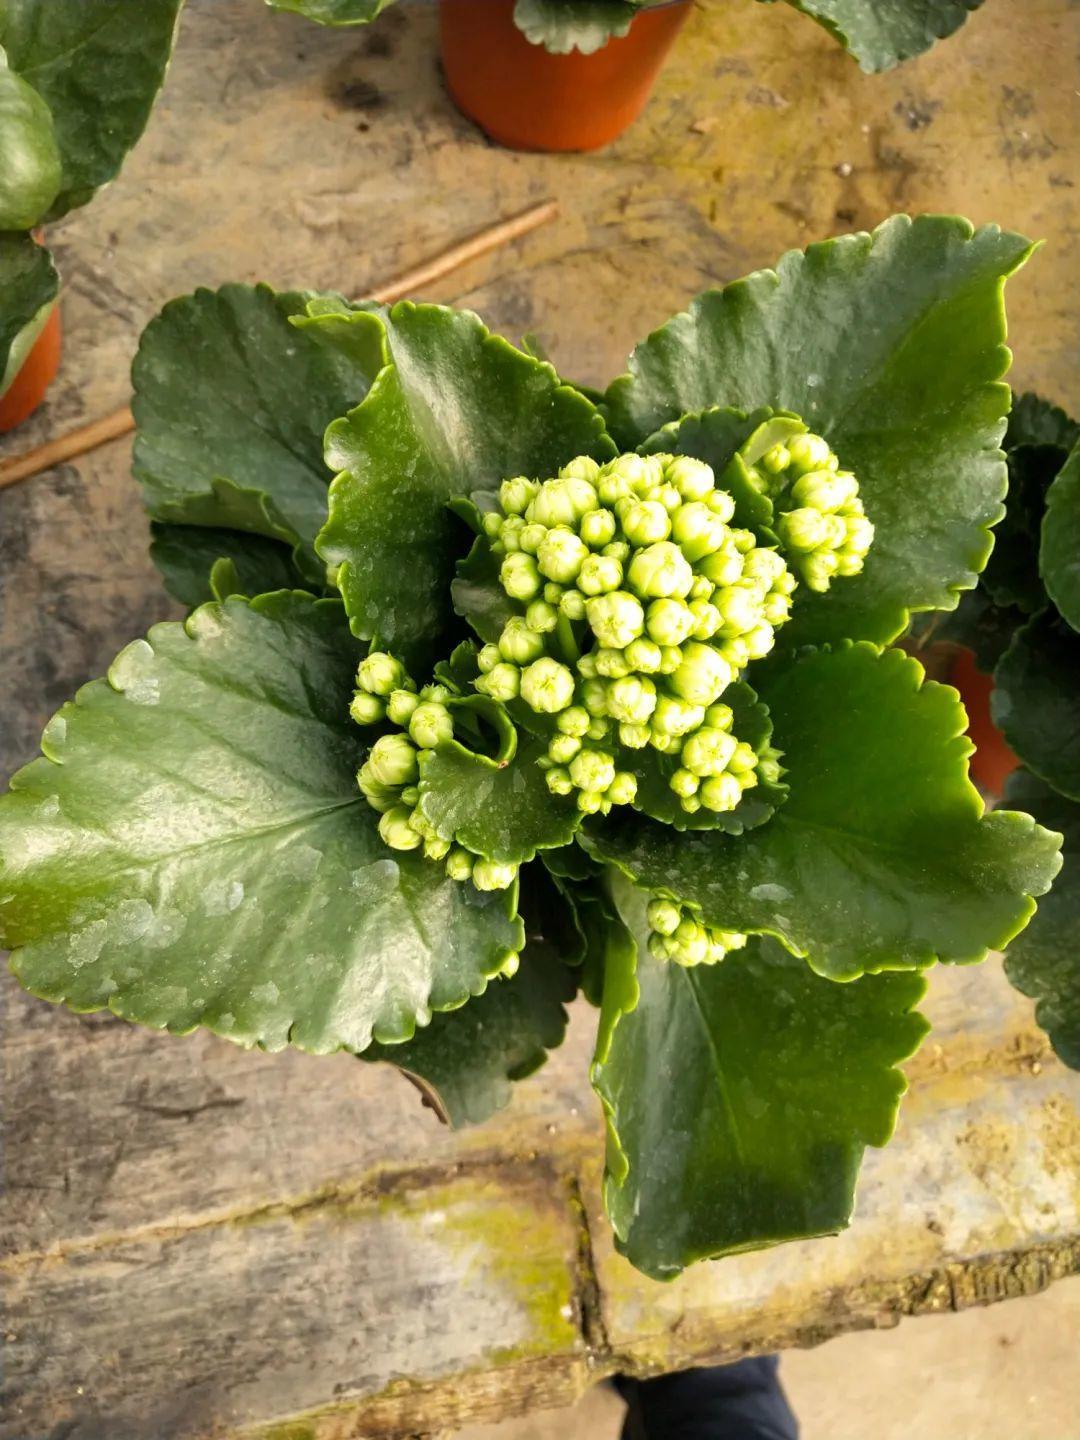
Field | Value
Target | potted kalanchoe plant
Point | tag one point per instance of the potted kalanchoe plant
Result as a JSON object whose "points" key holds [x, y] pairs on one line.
{"points": [[555, 691], [573, 74], [77, 83], [1019, 662]]}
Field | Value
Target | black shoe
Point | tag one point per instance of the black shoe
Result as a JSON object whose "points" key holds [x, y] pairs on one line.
{"points": [[743, 1401]]}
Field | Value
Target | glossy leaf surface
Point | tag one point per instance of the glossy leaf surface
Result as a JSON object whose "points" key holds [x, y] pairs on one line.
{"points": [[881, 35], [1060, 553], [28, 287]]}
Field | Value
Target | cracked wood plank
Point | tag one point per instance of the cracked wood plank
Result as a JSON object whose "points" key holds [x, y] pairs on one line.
{"points": [[200, 1242]]}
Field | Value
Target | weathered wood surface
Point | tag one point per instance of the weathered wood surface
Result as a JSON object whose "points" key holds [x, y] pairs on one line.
{"points": [[199, 1242]]}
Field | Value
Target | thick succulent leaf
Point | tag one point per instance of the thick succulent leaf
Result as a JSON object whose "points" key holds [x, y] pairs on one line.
{"points": [[891, 345], [477, 593], [333, 12], [1036, 700], [1059, 558], [502, 810], [1034, 421], [883, 35], [1044, 962], [653, 770], [977, 623], [714, 436], [193, 848], [571, 863], [1011, 577], [29, 156], [456, 410], [565, 25], [231, 404], [881, 823], [188, 555], [28, 289], [466, 1060], [740, 1097], [98, 67]]}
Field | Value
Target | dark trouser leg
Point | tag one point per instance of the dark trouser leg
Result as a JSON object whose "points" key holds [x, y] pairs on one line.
{"points": [[723, 1402]]}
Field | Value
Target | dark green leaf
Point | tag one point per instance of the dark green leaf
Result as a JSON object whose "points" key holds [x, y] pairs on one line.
{"points": [[1059, 560], [504, 811], [740, 1097], [882, 35], [29, 157], [333, 12], [1033, 421], [1044, 962], [186, 554], [572, 863], [98, 66], [457, 410], [715, 436], [478, 594], [28, 288], [231, 404], [881, 857], [1011, 577], [653, 770], [565, 25], [1036, 700], [194, 850], [892, 347], [977, 623]]}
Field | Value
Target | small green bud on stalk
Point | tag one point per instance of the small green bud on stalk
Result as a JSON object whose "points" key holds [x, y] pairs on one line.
{"points": [[739, 607], [764, 566], [666, 496], [632, 699], [586, 666], [617, 550], [592, 770], [644, 656], [584, 467], [563, 748], [561, 555], [572, 605], [825, 490], [808, 452], [660, 571], [519, 576], [366, 709], [489, 657], [490, 875], [541, 617], [622, 790], [692, 478], [720, 793], [562, 502], [663, 916], [492, 524], [547, 686], [697, 530], [438, 693], [410, 796], [459, 864], [776, 460], [616, 618], [393, 761], [701, 589], [589, 802], [708, 751], [724, 566], [722, 505], [397, 830], [674, 717], [515, 496], [684, 782], [635, 470], [559, 782], [707, 619], [518, 643], [598, 528], [759, 641], [511, 532], [818, 570], [720, 717], [776, 609], [503, 682], [436, 848], [703, 675], [594, 697], [600, 574], [670, 659], [400, 706], [431, 725], [669, 622], [612, 664], [612, 488], [644, 522], [634, 737], [380, 673], [379, 797], [531, 538], [574, 721], [599, 728]]}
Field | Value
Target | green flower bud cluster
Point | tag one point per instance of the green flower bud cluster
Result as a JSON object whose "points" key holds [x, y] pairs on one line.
{"points": [[822, 523], [641, 603], [676, 934], [389, 778]]}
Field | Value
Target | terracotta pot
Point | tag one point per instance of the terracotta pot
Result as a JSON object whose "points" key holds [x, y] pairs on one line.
{"points": [[528, 99], [993, 762], [27, 390]]}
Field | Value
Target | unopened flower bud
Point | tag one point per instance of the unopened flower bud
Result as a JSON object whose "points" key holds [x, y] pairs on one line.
{"points": [[547, 686], [692, 478], [397, 831], [563, 748], [599, 574], [436, 848], [634, 737], [400, 706], [611, 664], [379, 797], [707, 619], [703, 675], [559, 782], [663, 916], [531, 538], [592, 770], [366, 709], [739, 607], [594, 698], [720, 793], [511, 532], [489, 657], [616, 618], [708, 751], [632, 699], [574, 721], [393, 761], [684, 782], [644, 522], [459, 864], [675, 717], [519, 576], [516, 495], [622, 790], [597, 529], [644, 656], [669, 622], [541, 617], [584, 467], [380, 673], [503, 682], [555, 504], [808, 452], [518, 643], [492, 524], [491, 875], [572, 605], [659, 571], [561, 554], [723, 567], [430, 724], [697, 530], [670, 659]]}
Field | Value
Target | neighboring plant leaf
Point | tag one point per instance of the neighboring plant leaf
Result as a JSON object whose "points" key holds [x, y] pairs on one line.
{"points": [[478, 594], [1044, 962], [572, 863], [740, 1097], [1036, 700], [231, 404], [29, 157], [1059, 559], [881, 823], [28, 289], [98, 67], [911, 401], [333, 12], [565, 25], [186, 554], [654, 770], [883, 35], [1033, 421], [977, 623], [1011, 577], [194, 849], [466, 1060], [457, 410], [503, 811]]}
